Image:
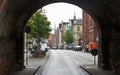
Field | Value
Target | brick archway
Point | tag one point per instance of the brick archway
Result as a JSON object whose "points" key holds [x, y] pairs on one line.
{"points": [[14, 15]]}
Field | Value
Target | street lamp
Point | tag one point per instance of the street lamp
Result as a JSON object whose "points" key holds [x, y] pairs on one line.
{"points": [[38, 41], [27, 31]]}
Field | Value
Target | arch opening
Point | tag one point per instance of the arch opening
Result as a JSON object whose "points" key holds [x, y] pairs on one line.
{"points": [[20, 19], [95, 26]]}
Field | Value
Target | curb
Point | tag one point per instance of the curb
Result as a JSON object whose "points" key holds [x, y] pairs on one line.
{"points": [[40, 68], [86, 70], [37, 69]]}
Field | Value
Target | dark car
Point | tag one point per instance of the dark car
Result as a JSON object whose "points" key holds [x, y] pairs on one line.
{"points": [[77, 48]]}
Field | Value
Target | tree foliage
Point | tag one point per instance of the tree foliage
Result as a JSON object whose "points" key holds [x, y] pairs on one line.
{"points": [[68, 38], [39, 25]]}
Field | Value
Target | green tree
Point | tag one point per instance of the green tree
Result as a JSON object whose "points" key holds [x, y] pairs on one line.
{"points": [[39, 25], [68, 38]]}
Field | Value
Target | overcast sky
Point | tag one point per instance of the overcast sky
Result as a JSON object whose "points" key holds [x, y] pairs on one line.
{"points": [[58, 12]]}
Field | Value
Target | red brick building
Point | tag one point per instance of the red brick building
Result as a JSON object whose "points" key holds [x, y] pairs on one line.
{"points": [[52, 41], [90, 32]]}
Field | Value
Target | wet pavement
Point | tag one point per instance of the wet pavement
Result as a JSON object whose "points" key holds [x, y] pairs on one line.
{"points": [[38, 67], [59, 63]]}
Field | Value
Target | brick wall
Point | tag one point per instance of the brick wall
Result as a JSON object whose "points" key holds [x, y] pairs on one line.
{"points": [[89, 29], [85, 28]]}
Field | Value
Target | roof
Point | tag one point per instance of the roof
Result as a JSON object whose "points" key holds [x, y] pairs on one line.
{"points": [[78, 22]]}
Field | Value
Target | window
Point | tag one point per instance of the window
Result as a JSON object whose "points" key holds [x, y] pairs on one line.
{"points": [[78, 28]]}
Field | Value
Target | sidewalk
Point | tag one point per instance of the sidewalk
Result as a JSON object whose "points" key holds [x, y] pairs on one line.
{"points": [[34, 64], [93, 70]]}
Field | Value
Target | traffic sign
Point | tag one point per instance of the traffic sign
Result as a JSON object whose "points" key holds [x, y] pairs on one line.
{"points": [[94, 52]]}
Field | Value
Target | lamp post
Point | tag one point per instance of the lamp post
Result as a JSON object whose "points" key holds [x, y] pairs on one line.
{"points": [[27, 31], [38, 42]]}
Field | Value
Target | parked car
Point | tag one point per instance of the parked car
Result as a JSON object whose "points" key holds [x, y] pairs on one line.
{"points": [[54, 47], [77, 48], [69, 47]]}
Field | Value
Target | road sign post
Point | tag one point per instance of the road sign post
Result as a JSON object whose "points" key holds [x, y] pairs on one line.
{"points": [[94, 52], [94, 60]]}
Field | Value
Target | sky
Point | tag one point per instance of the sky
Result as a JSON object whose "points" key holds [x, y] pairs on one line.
{"points": [[58, 12]]}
